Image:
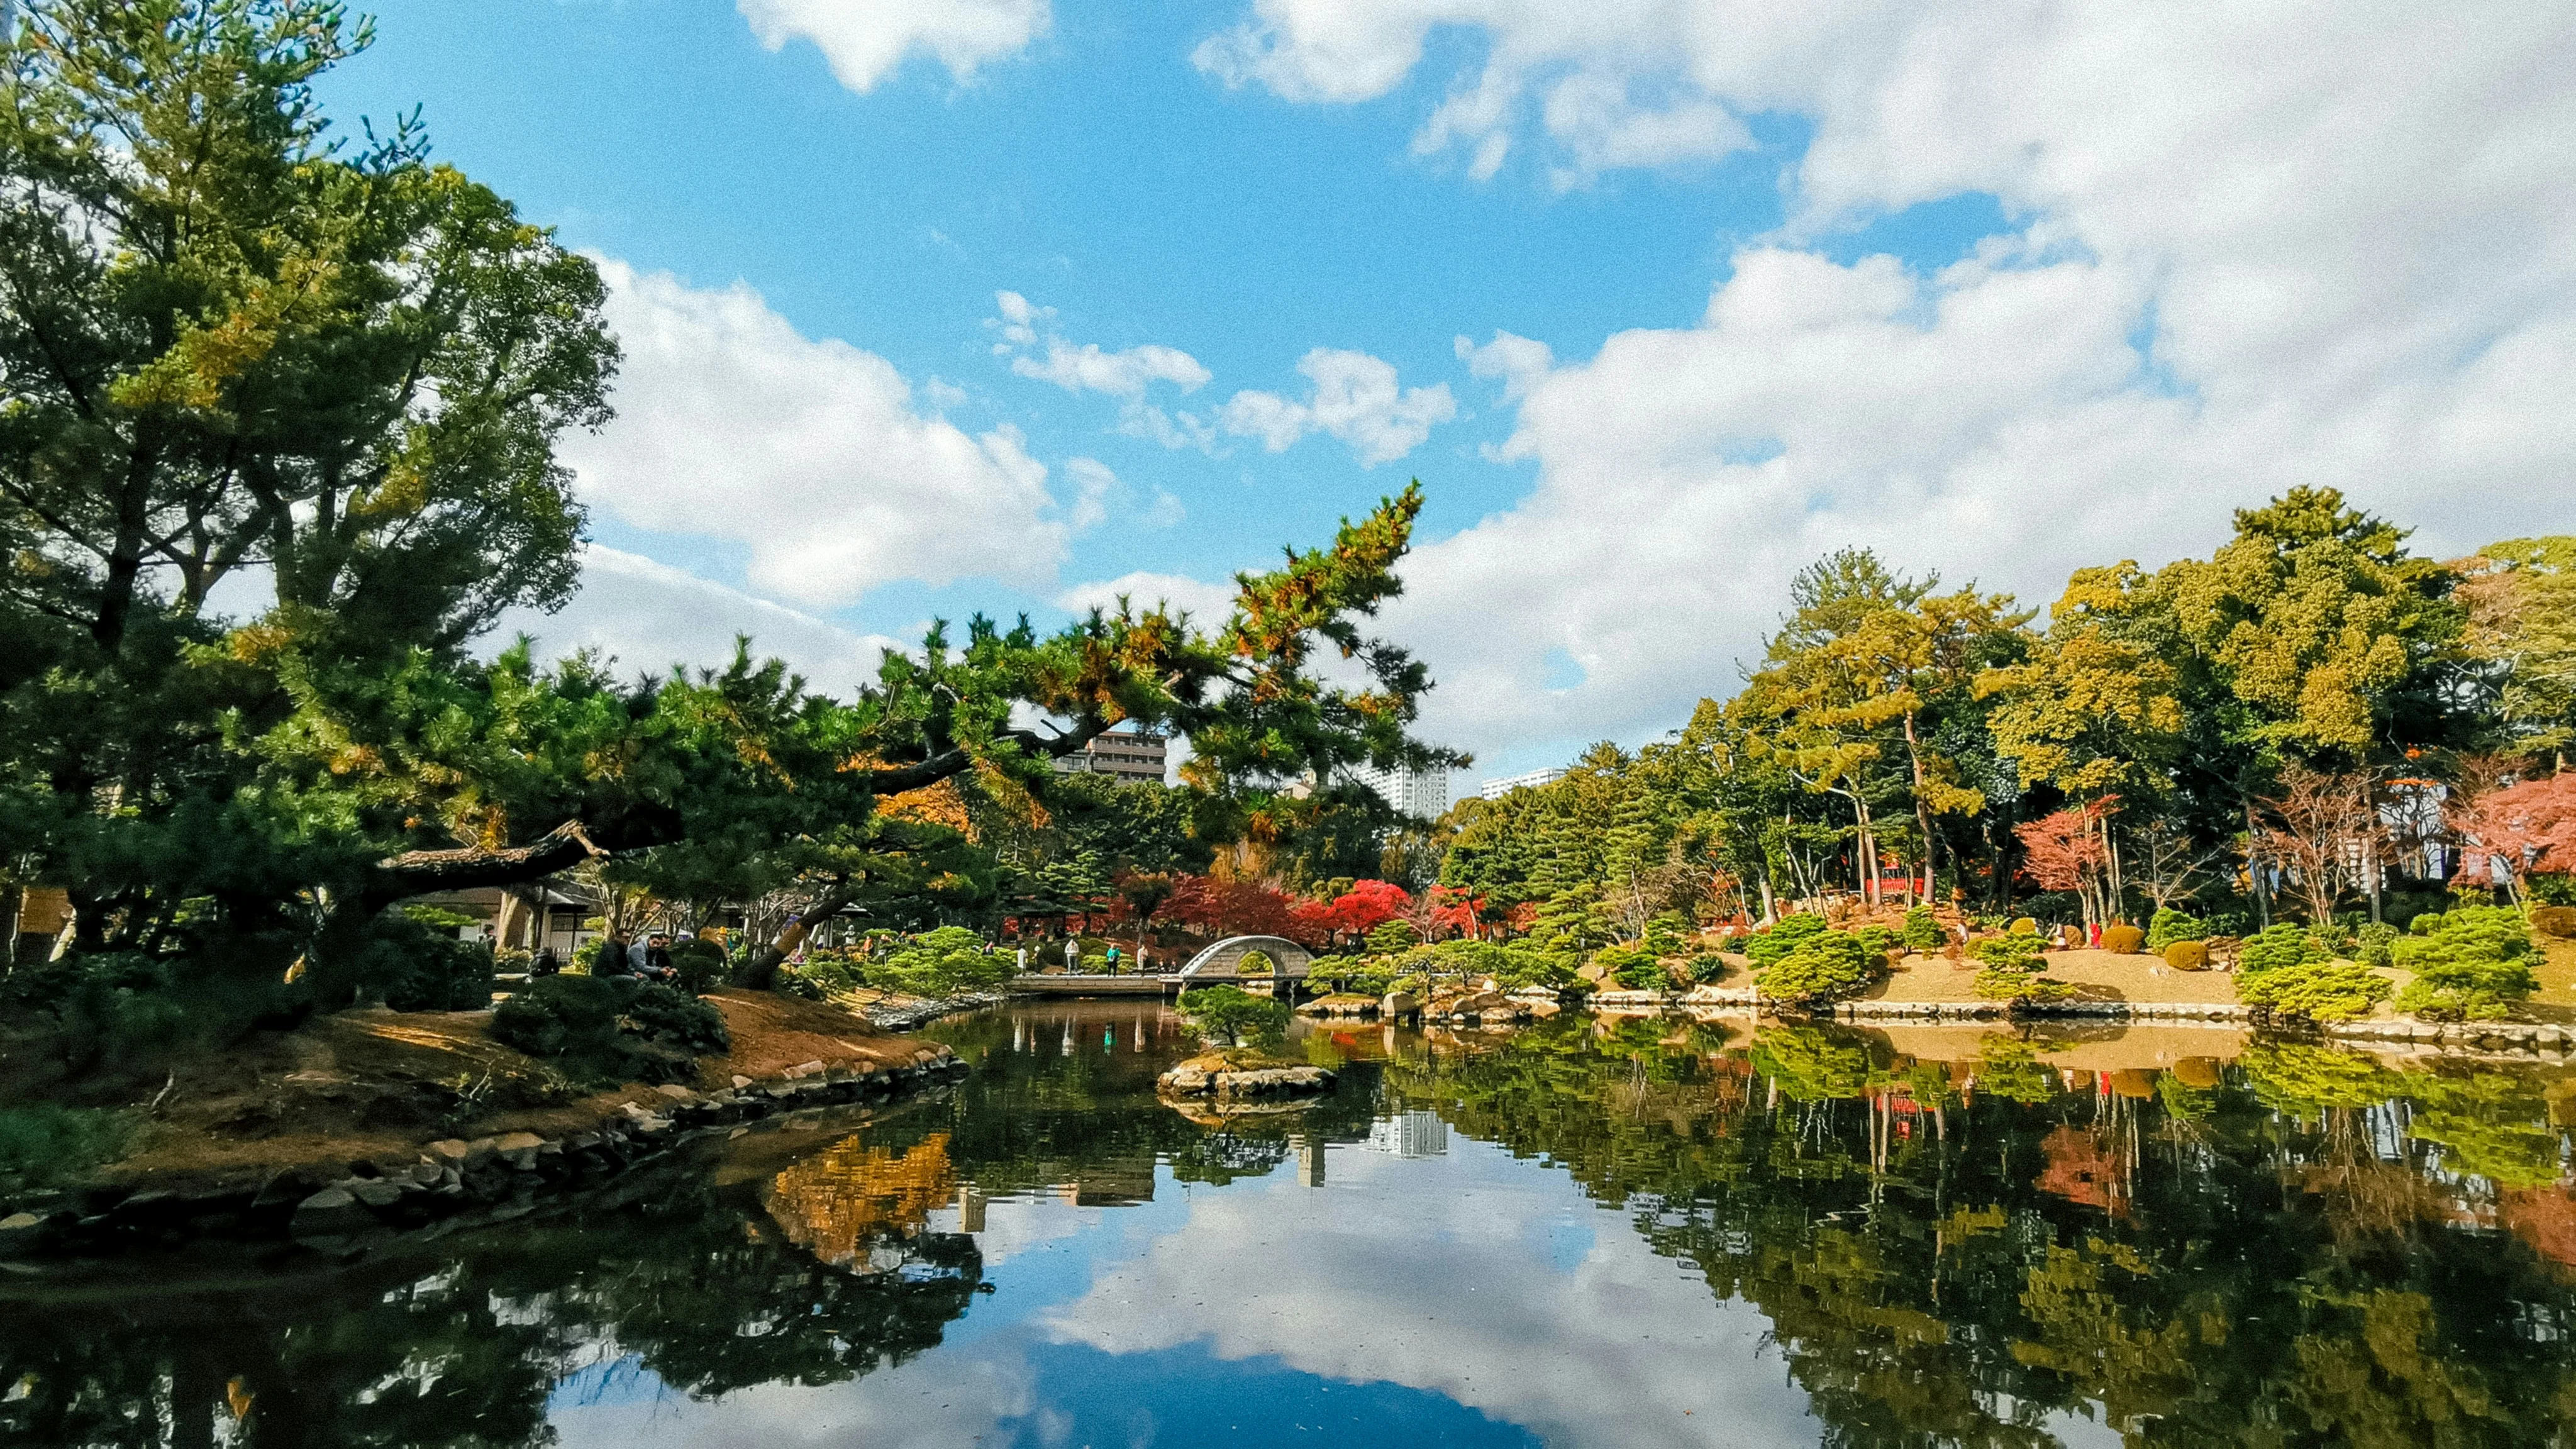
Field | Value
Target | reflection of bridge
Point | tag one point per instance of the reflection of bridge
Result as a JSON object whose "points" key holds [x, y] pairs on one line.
{"points": [[1218, 963]]}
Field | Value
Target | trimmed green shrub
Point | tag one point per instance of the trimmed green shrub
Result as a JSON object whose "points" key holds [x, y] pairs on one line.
{"points": [[2373, 944], [2188, 955], [2471, 964], [2023, 926], [700, 965], [45, 1144], [2123, 940], [2005, 984], [1825, 966], [1255, 963], [2319, 990], [1880, 941], [1770, 946], [1922, 930], [2276, 948], [2015, 952], [1706, 967], [1668, 935], [1227, 1016], [940, 963], [2012, 966], [606, 1029], [2171, 925], [1634, 966], [1390, 937]]}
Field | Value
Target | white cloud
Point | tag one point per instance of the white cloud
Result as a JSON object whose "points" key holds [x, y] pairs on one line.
{"points": [[1093, 483], [650, 617], [1208, 604], [1517, 361], [2257, 247], [1175, 430], [1120, 374], [1616, 1346], [1354, 398], [732, 425], [1086, 367], [866, 41]]}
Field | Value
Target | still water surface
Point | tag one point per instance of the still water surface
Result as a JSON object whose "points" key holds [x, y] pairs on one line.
{"points": [[1636, 1233]]}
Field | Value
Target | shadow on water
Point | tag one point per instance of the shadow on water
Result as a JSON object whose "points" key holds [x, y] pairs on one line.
{"points": [[1988, 1239]]}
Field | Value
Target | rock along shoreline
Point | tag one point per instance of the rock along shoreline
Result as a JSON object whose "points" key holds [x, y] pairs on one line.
{"points": [[457, 1183]]}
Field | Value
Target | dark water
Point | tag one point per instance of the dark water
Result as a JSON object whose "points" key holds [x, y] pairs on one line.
{"points": [[1637, 1234]]}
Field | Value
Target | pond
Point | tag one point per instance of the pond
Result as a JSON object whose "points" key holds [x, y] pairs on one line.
{"points": [[1648, 1231]]}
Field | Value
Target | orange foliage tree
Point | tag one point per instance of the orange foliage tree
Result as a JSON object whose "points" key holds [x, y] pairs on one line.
{"points": [[2530, 827]]}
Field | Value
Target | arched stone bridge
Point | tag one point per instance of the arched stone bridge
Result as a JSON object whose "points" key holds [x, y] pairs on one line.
{"points": [[1217, 963]]}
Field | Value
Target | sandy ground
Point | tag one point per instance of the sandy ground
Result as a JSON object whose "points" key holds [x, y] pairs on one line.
{"points": [[2097, 976]]}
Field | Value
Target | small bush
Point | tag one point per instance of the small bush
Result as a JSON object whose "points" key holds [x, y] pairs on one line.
{"points": [[1706, 967], [2006, 984], [1227, 1016], [1880, 941], [2470, 964], [2171, 925], [2123, 940], [700, 964], [1922, 931], [1390, 937], [2317, 989], [1771, 946], [2373, 944], [2276, 948], [2012, 966], [2023, 926], [1826, 966], [1668, 935], [607, 1029], [940, 963], [2188, 956], [45, 1144], [2015, 952], [415, 966]]}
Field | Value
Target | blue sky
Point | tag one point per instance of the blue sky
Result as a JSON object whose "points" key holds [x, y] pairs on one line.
{"points": [[1996, 297]]}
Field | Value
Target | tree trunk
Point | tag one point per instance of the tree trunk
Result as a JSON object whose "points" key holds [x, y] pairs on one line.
{"points": [[759, 969]]}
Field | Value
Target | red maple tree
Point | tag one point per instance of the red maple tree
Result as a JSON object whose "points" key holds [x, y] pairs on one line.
{"points": [[2529, 827]]}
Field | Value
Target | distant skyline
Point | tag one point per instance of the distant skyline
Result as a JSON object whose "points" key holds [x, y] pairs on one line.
{"points": [[952, 305]]}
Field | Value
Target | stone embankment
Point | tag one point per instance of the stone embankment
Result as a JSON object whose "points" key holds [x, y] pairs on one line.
{"points": [[1217, 1077], [455, 1183]]}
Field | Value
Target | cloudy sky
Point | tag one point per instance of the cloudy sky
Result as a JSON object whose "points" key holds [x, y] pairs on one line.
{"points": [[933, 306]]}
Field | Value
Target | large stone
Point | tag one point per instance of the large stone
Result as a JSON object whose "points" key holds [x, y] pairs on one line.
{"points": [[375, 1192], [328, 1213], [20, 1233], [1399, 1003]]}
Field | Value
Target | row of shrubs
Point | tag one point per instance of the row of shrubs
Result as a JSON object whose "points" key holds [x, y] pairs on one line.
{"points": [[944, 962]]}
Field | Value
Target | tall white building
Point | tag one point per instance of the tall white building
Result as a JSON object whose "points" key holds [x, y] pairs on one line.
{"points": [[1497, 789], [1415, 792]]}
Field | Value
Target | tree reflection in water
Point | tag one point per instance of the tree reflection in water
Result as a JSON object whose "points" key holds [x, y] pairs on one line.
{"points": [[2304, 1246]]}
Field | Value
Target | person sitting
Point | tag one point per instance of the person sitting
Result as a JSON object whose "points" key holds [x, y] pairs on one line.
{"points": [[612, 957], [657, 959], [544, 963]]}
